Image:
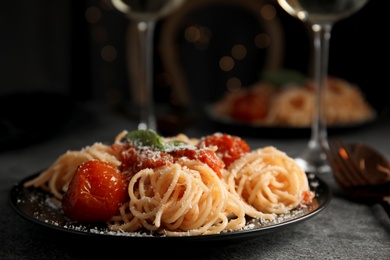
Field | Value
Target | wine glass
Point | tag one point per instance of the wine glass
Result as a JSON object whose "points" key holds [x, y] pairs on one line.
{"points": [[320, 15], [145, 13]]}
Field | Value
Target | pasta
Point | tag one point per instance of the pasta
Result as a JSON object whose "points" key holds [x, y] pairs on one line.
{"points": [[344, 104], [269, 181], [293, 104], [292, 107], [57, 177], [184, 196]]}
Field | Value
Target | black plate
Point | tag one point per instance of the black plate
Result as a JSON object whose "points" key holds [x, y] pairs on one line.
{"points": [[42, 208], [241, 128]]}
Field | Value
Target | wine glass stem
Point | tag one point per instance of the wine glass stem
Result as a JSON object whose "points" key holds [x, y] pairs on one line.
{"points": [[147, 116], [314, 158], [321, 35]]}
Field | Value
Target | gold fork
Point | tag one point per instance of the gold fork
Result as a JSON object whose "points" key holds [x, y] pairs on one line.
{"points": [[359, 182], [345, 171]]}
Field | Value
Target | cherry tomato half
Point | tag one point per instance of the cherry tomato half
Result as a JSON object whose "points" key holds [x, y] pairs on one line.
{"points": [[95, 192]]}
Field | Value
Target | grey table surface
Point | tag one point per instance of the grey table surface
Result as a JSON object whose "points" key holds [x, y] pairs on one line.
{"points": [[343, 230]]}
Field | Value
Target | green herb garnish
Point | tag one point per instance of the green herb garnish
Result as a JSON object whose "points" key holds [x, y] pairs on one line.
{"points": [[150, 139], [145, 138], [176, 144], [282, 77]]}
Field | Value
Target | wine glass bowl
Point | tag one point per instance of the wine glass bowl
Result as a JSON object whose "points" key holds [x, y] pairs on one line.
{"points": [[320, 15], [145, 13], [321, 11], [143, 10]]}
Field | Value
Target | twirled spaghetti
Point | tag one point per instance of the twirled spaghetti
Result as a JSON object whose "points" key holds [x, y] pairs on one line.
{"points": [[186, 196], [270, 181], [57, 177]]}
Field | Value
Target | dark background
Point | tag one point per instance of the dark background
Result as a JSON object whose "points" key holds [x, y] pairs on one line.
{"points": [[51, 46]]}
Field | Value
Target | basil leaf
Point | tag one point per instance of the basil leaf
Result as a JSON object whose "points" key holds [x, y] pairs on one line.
{"points": [[176, 144], [145, 138], [282, 77]]}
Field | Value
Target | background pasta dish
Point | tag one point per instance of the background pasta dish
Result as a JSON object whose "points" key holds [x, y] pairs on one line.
{"points": [[291, 105]]}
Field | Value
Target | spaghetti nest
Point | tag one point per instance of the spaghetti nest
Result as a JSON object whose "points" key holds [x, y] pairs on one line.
{"points": [[269, 181], [57, 177], [184, 198]]}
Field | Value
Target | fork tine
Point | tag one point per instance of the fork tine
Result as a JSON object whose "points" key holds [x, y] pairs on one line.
{"points": [[354, 167], [339, 168], [354, 174]]}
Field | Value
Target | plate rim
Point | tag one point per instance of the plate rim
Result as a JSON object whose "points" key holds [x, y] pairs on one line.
{"points": [[323, 195]]}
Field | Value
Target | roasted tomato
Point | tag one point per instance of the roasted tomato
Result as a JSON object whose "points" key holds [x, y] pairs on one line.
{"points": [[95, 192], [230, 148], [250, 107], [206, 156], [134, 159]]}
